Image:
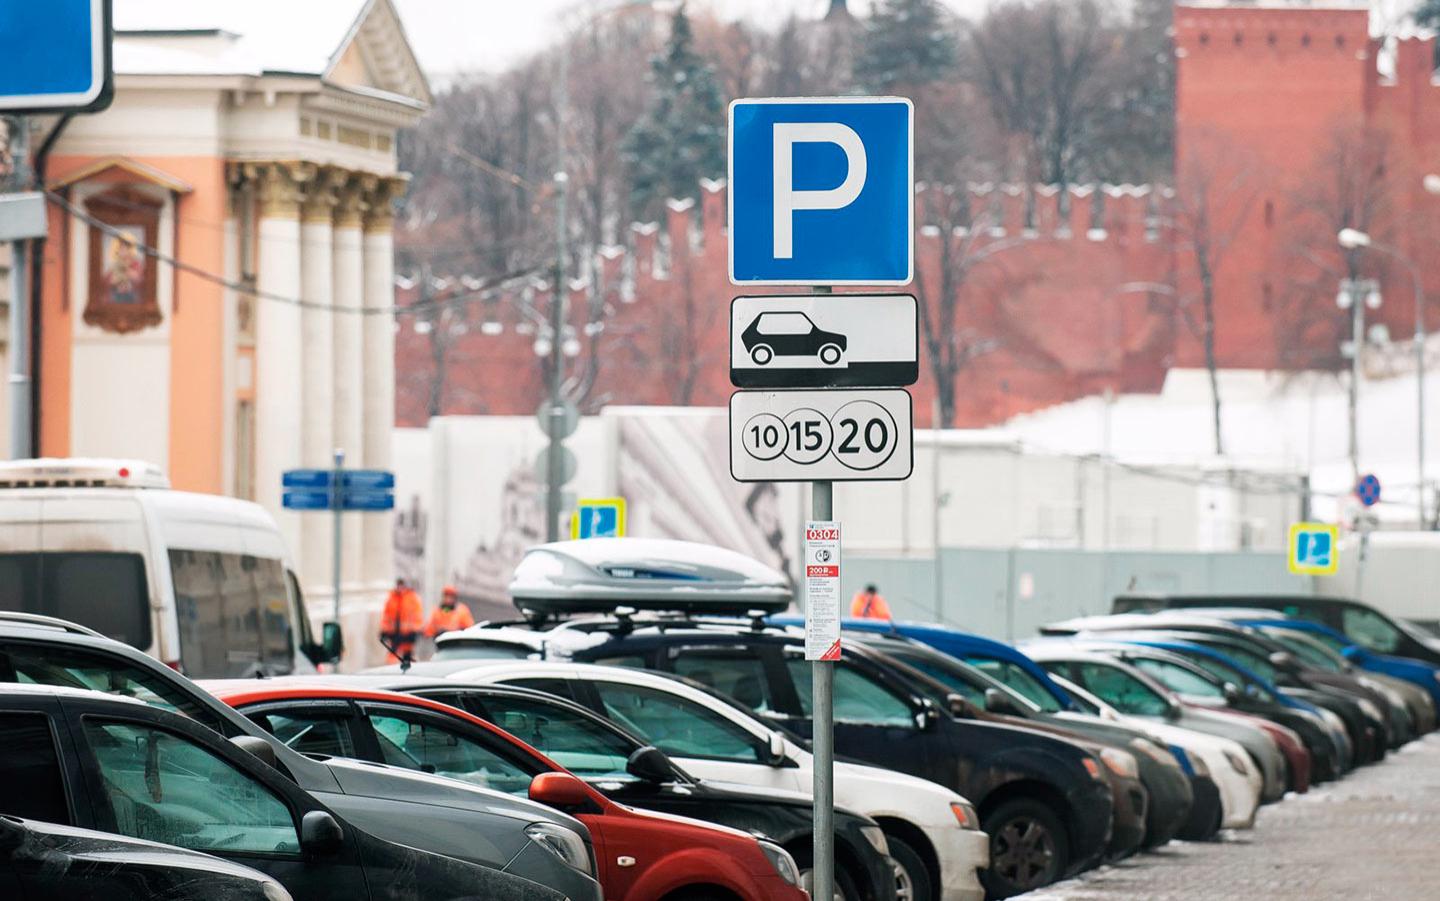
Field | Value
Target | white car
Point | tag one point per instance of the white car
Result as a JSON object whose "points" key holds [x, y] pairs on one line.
{"points": [[933, 833], [1239, 781]]}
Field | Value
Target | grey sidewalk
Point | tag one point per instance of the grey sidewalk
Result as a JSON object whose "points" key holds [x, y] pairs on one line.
{"points": [[1373, 835]]}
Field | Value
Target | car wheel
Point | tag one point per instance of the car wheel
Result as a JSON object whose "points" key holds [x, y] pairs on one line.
{"points": [[845, 887], [912, 877], [761, 354], [1028, 848], [830, 354]]}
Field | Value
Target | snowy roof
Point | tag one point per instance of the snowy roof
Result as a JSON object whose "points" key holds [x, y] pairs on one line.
{"points": [[259, 37], [265, 35]]}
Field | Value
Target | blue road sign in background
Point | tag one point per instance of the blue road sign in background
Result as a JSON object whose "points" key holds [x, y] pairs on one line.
{"points": [[1368, 490], [822, 191], [1313, 549], [360, 489], [54, 55]]}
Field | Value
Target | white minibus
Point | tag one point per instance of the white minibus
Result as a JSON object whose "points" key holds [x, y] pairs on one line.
{"points": [[199, 581]]}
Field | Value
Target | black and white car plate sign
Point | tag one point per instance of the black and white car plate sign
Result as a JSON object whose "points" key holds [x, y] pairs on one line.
{"points": [[824, 341], [838, 436]]}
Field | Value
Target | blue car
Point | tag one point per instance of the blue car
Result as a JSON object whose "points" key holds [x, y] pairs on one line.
{"points": [[1416, 672]]}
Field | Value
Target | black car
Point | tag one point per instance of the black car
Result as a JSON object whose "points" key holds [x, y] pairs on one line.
{"points": [[966, 691], [1047, 789], [47, 862], [97, 761], [590, 746], [791, 333], [1360, 622]]}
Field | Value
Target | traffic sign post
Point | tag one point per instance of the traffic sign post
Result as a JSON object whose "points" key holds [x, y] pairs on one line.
{"points": [[337, 490], [822, 194]]}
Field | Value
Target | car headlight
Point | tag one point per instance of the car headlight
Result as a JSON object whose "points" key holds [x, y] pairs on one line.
{"points": [[784, 864], [273, 891], [1120, 763], [1154, 752], [563, 843], [1368, 708], [966, 814], [1237, 762], [876, 837]]}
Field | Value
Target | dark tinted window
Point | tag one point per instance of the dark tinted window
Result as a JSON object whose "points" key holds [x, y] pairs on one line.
{"points": [[308, 731], [733, 673], [419, 742], [234, 614], [106, 592], [97, 671], [32, 786], [573, 740], [1369, 629], [858, 697], [676, 725], [949, 677]]}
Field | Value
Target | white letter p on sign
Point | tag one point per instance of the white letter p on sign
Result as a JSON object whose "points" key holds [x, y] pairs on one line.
{"points": [[788, 200]]}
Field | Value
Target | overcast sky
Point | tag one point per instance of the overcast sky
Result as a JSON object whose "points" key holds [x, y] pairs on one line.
{"points": [[460, 35]]}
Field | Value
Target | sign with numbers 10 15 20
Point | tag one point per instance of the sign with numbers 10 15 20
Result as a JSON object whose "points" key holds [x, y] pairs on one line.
{"points": [[792, 436]]}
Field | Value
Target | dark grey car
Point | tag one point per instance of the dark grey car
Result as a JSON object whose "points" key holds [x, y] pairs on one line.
{"points": [[408, 808]]}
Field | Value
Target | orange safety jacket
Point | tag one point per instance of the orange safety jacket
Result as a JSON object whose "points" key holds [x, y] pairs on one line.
{"points": [[444, 619]]}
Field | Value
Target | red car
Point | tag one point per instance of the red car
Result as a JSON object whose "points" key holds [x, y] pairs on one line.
{"points": [[642, 856]]}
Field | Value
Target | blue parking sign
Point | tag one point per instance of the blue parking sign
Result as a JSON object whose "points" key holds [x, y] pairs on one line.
{"points": [[822, 191], [1313, 549]]}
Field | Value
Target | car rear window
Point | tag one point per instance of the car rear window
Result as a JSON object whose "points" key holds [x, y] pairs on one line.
{"points": [[468, 649], [102, 590]]}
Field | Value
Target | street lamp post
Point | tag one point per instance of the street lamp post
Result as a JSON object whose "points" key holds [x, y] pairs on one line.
{"points": [[1353, 239]]}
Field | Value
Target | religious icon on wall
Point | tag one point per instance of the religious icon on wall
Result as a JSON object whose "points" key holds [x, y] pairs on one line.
{"points": [[122, 296]]}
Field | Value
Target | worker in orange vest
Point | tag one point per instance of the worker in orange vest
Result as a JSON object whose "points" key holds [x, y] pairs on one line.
{"points": [[401, 622], [869, 604], [452, 614]]}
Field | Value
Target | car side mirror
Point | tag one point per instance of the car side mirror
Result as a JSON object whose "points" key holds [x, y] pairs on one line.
{"points": [[1285, 661], [1173, 710], [776, 749], [320, 833], [996, 701], [955, 703], [561, 790], [13, 835], [332, 642], [649, 764], [256, 747], [1232, 693]]}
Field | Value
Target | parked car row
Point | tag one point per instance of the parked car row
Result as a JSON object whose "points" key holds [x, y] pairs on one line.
{"points": [[641, 733]]}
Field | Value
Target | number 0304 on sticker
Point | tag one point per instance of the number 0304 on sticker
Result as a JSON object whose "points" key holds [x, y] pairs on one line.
{"points": [[792, 436]]}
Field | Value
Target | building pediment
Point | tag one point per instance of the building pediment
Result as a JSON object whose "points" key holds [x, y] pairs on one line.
{"points": [[376, 57], [120, 170]]}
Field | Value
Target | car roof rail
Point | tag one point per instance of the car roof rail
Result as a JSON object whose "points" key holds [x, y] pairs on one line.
{"points": [[53, 622]]}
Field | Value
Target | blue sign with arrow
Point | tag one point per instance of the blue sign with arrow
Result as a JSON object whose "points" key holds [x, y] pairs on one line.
{"points": [[822, 191]]}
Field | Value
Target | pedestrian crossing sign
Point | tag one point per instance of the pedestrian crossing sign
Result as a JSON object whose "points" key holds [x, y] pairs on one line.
{"points": [[1313, 549], [599, 517]]}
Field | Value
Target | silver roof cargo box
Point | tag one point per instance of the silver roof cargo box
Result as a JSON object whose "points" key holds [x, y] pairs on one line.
{"points": [[599, 575]]}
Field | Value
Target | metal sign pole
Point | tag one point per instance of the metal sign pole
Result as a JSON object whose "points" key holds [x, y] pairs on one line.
{"points": [[822, 690], [20, 412], [337, 492]]}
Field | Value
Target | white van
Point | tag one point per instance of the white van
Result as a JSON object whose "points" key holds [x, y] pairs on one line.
{"points": [[198, 581]]}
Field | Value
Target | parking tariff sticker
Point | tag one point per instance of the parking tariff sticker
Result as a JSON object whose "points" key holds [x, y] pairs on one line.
{"points": [[822, 590]]}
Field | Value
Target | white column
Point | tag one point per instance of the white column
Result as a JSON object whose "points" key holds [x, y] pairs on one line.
{"points": [[379, 370], [349, 372], [317, 390], [278, 412]]}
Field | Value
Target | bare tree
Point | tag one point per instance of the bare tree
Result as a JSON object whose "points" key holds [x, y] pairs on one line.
{"points": [[1216, 187]]}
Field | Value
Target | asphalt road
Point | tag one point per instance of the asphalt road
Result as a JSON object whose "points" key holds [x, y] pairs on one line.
{"points": [[1370, 836]]}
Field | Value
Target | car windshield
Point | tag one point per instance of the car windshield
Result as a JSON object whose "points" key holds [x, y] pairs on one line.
{"points": [[1310, 652], [471, 649], [1014, 676]]}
